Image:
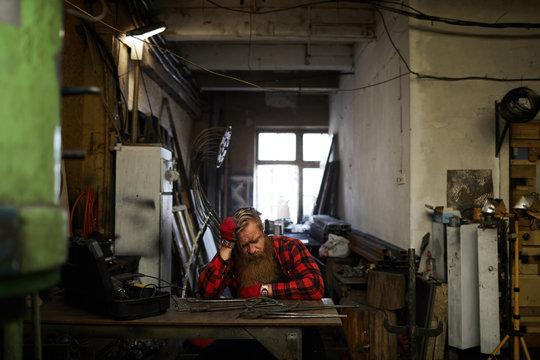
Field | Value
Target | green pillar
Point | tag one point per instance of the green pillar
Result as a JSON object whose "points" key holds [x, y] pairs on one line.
{"points": [[33, 227]]}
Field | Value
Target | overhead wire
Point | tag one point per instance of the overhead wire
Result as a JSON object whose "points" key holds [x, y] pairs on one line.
{"points": [[377, 4], [444, 78], [417, 14]]}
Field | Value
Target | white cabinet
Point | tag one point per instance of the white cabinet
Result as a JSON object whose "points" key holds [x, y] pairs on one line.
{"points": [[488, 285], [143, 210], [462, 274]]}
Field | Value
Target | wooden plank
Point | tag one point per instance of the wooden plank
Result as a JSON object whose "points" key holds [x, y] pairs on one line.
{"points": [[533, 251], [520, 143], [386, 290], [529, 294], [529, 311], [524, 162], [533, 154], [532, 339], [523, 171], [530, 130], [528, 237], [436, 345], [528, 269], [365, 333]]}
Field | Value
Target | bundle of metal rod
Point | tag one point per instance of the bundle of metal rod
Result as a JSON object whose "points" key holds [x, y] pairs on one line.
{"points": [[332, 224], [209, 148], [325, 224]]}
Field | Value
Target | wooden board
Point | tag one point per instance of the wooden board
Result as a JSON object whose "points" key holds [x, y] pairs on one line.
{"points": [[386, 290], [436, 345], [530, 130], [528, 237], [365, 333], [523, 171], [529, 294]]}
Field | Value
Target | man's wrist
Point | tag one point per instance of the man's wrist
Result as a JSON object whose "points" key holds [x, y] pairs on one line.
{"points": [[266, 290], [225, 253]]}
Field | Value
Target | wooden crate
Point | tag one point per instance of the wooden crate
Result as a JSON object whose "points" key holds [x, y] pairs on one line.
{"points": [[529, 130], [529, 294], [386, 290], [528, 237], [365, 333]]}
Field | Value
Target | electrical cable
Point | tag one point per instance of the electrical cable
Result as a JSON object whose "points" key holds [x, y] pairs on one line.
{"points": [[86, 15], [513, 109], [374, 3], [91, 213], [417, 14], [444, 78]]}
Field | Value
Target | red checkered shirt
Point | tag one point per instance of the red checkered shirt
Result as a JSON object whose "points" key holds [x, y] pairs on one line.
{"points": [[304, 277]]}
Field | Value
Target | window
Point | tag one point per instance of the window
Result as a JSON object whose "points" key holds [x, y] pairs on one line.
{"points": [[288, 171]]}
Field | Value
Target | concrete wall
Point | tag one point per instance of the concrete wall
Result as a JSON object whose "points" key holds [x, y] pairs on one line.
{"points": [[427, 127], [372, 127], [453, 122]]}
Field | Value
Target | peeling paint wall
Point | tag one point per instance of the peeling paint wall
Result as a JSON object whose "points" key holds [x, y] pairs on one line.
{"points": [[372, 127]]}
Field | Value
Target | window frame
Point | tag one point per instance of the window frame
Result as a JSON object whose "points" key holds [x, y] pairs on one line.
{"points": [[299, 162]]}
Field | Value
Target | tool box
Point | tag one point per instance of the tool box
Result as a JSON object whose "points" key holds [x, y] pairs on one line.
{"points": [[88, 282]]}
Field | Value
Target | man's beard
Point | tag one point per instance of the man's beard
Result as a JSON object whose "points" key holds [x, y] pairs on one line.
{"points": [[258, 268]]}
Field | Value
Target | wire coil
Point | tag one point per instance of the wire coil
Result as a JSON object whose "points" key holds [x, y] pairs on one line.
{"points": [[519, 105]]}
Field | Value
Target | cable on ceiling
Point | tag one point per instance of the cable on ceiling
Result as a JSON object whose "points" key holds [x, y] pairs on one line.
{"points": [[417, 14]]}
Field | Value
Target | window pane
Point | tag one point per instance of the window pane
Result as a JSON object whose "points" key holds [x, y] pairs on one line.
{"points": [[312, 184], [315, 147], [277, 191], [277, 146]]}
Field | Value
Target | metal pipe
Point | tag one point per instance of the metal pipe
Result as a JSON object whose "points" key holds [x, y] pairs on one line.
{"points": [[135, 107], [412, 304]]}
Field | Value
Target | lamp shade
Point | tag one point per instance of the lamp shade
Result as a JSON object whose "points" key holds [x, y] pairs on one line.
{"points": [[146, 31]]}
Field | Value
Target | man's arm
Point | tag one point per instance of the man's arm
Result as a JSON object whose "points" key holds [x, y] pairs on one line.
{"points": [[298, 265], [216, 276]]}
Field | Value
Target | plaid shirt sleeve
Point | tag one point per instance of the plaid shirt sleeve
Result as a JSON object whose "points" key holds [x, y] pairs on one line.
{"points": [[215, 277], [306, 282]]}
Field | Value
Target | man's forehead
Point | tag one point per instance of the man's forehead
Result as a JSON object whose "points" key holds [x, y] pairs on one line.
{"points": [[249, 233]]}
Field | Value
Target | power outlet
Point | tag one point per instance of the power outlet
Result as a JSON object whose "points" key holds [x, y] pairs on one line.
{"points": [[401, 179]]}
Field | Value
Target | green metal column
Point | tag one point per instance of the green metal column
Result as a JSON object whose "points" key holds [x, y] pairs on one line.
{"points": [[33, 227]]}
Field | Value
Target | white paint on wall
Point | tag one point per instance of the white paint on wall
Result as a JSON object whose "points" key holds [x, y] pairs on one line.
{"points": [[372, 127], [424, 127]]}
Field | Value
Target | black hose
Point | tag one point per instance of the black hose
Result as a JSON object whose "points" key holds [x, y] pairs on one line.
{"points": [[515, 110]]}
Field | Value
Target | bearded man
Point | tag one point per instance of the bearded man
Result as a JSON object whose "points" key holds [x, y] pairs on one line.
{"points": [[253, 264]]}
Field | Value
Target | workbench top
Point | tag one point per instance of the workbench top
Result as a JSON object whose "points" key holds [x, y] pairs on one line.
{"points": [[59, 312]]}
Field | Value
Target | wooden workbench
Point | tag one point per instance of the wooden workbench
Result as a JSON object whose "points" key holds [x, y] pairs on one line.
{"points": [[282, 337]]}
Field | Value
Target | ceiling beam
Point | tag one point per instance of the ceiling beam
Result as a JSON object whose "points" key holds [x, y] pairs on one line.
{"points": [[297, 81], [261, 57], [341, 22]]}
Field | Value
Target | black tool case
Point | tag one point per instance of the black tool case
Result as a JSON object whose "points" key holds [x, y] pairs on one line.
{"points": [[88, 282]]}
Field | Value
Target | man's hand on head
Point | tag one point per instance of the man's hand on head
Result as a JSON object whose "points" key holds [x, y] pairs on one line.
{"points": [[227, 231]]}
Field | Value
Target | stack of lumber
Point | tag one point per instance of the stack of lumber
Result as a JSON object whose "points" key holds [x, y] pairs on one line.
{"points": [[525, 147]]}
